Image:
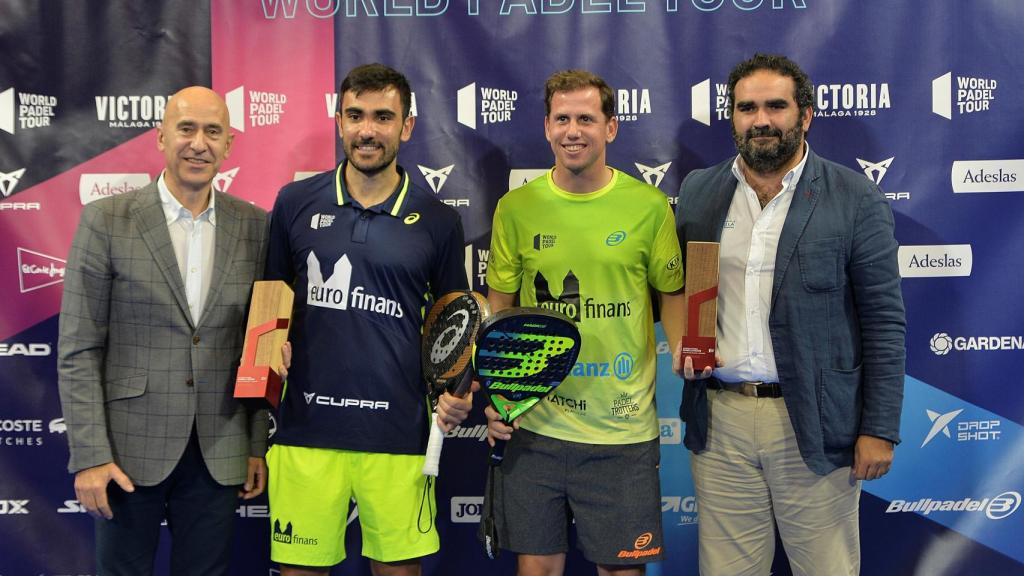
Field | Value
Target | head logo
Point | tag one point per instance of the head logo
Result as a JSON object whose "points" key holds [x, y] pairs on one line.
{"points": [[653, 175], [941, 344], [615, 238], [495, 105], [8, 181], [436, 178], [623, 365], [1003, 505], [875, 171], [92, 187], [37, 270], [222, 181], [940, 423], [972, 94], [264, 108], [412, 218]]}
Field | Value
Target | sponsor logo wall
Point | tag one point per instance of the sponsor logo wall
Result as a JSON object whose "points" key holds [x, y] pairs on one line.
{"points": [[932, 123]]}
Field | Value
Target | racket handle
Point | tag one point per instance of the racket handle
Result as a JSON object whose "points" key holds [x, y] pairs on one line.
{"points": [[497, 452], [433, 456]]}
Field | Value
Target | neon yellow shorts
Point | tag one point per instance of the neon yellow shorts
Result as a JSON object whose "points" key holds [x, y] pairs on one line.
{"points": [[310, 490]]}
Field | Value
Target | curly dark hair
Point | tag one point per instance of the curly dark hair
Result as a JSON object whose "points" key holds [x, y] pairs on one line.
{"points": [[803, 90], [376, 78]]}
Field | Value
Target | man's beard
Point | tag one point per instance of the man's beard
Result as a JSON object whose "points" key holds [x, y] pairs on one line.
{"points": [[768, 158], [371, 167]]}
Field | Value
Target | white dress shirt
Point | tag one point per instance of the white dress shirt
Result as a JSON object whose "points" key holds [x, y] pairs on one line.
{"points": [[193, 241], [750, 239]]}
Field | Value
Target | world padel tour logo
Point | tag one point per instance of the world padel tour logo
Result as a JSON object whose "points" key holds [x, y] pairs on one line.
{"points": [[37, 270], [970, 95], [941, 343], [632, 104], [92, 187], [701, 98], [25, 111], [492, 105], [255, 108], [131, 111], [849, 100], [336, 291]]}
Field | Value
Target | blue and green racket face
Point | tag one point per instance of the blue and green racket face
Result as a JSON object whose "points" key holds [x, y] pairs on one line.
{"points": [[522, 354]]}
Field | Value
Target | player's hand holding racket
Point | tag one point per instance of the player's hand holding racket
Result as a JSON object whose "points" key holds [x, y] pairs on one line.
{"points": [[446, 352]]}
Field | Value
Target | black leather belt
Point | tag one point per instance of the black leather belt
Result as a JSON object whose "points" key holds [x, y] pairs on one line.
{"points": [[752, 389]]}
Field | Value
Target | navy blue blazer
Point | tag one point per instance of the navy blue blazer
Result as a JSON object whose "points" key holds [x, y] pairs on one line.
{"points": [[837, 321]]}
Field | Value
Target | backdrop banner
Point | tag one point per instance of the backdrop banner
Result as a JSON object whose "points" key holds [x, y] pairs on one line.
{"points": [[922, 97]]}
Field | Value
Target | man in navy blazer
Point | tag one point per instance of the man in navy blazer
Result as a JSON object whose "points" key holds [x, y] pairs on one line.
{"points": [[805, 400]]}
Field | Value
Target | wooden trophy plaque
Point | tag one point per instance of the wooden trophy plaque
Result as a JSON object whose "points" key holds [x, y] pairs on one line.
{"points": [[267, 329], [700, 313]]}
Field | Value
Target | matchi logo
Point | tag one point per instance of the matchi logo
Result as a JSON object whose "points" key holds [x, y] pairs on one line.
{"points": [[260, 109], [934, 261], [700, 102], [495, 105], [988, 176], [222, 181], [848, 100], [995, 508], [653, 175], [942, 343], [132, 111], [37, 270], [972, 95], [9, 180], [334, 291], [632, 104], [27, 111], [92, 187]]}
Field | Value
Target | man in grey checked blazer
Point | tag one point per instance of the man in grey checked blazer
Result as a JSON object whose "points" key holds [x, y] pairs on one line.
{"points": [[151, 328]]}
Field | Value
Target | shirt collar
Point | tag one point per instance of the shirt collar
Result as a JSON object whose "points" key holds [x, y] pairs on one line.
{"points": [[395, 205], [173, 210], [791, 178]]}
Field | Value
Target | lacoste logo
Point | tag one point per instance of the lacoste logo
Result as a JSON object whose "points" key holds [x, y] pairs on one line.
{"points": [[875, 171], [653, 175], [436, 178]]}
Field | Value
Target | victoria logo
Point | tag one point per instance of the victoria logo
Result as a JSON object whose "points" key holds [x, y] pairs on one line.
{"points": [[436, 178], [633, 103], [9, 180], [653, 175]]}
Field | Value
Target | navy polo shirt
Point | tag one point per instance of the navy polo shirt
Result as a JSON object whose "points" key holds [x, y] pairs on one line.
{"points": [[363, 278]]}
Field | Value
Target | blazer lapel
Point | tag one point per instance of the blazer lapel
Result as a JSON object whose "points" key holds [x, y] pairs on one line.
{"points": [[149, 217], [805, 197], [228, 224]]}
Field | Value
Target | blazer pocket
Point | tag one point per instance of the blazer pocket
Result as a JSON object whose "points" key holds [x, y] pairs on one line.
{"points": [[124, 388], [841, 404], [821, 264]]}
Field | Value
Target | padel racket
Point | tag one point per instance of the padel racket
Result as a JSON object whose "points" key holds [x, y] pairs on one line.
{"points": [[446, 351], [521, 355]]}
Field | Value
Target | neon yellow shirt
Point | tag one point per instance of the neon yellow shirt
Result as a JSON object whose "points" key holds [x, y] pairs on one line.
{"points": [[592, 257]]}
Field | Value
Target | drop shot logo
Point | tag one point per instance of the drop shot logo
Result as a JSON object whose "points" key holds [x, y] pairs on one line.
{"points": [[632, 104], [131, 111], [971, 95], [262, 108], [494, 105], [25, 111]]}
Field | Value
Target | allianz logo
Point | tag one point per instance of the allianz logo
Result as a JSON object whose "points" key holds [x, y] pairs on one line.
{"points": [[621, 367]]}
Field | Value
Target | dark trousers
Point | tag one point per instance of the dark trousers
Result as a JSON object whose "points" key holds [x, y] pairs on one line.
{"points": [[199, 512]]}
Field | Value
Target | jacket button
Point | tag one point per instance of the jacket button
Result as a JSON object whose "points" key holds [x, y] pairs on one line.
{"points": [[195, 339], [189, 383]]}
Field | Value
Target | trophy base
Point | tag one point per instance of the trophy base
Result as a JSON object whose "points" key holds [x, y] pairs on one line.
{"points": [[701, 349], [259, 385]]}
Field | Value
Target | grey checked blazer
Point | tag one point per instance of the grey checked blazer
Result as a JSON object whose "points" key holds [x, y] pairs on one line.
{"points": [[135, 372]]}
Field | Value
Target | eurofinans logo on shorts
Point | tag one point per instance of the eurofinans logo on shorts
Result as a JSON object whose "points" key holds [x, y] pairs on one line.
{"points": [[92, 187], [701, 97], [25, 110], [987, 176], [491, 105], [255, 108], [970, 95], [933, 261]]}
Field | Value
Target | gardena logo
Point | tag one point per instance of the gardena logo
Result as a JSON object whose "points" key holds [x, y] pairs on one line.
{"points": [[995, 508], [942, 343]]}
